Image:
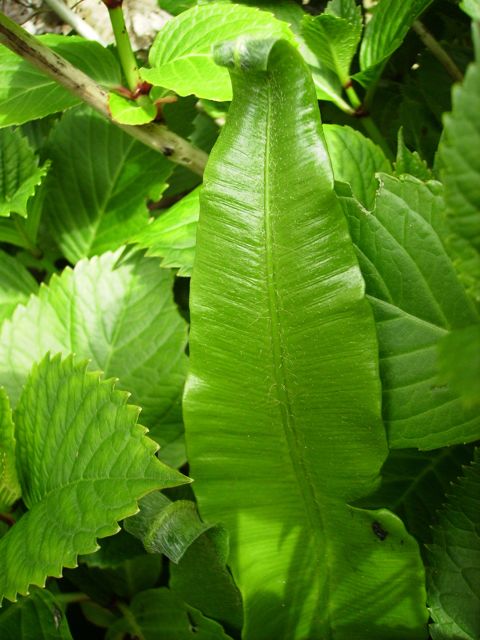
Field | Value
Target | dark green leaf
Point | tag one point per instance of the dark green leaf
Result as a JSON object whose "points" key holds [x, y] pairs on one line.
{"points": [[454, 558], [410, 162], [459, 363], [16, 285], [38, 617]]}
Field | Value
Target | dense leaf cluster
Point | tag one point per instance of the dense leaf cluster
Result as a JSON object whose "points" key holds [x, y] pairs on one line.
{"points": [[326, 405]]}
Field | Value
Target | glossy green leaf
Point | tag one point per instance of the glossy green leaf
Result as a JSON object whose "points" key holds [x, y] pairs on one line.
{"points": [[16, 284], [282, 403], [454, 559], [384, 33], [19, 172], [181, 55], [92, 209], [38, 617], [27, 94], [172, 235], [9, 487], [83, 462], [414, 484], [334, 36], [410, 162], [417, 299], [459, 363], [457, 157], [131, 112], [122, 317], [355, 160], [159, 613], [472, 7]]}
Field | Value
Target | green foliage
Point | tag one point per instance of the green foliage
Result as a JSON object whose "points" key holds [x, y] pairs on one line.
{"points": [[332, 394], [454, 563], [83, 462], [181, 56]]}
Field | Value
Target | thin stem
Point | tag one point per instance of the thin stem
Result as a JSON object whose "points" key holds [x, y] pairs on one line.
{"points": [[156, 136], [124, 48], [438, 51], [8, 519], [74, 20], [69, 598]]}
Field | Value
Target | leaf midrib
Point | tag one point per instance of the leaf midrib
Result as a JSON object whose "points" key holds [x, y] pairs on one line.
{"points": [[311, 499]]}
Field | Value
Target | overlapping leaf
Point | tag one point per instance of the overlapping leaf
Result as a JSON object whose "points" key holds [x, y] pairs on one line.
{"points": [[160, 613], [417, 299], [16, 284], [38, 617], [83, 462], [92, 208], [457, 157], [172, 235], [282, 408], [122, 316], [27, 94], [181, 56], [385, 32], [454, 559], [459, 363], [19, 172], [9, 487], [355, 160]]}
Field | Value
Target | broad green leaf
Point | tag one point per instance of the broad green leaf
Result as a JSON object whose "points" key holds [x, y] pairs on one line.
{"points": [[283, 394], [384, 33], [414, 484], [159, 613], [38, 617], [172, 235], [16, 285], [9, 487], [457, 157], [121, 316], [131, 112], [27, 94], [19, 173], [181, 55], [355, 160], [92, 207], [459, 362], [83, 462], [454, 559], [114, 551], [334, 37], [410, 161], [417, 299]]}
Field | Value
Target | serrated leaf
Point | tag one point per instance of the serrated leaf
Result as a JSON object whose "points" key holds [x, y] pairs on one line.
{"points": [[454, 559], [355, 160], [414, 484], [384, 33], [160, 613], [83, 462], [131, 112], [27, 94], [9, 486], [410, 162], [334, 37], [38, 617], [277, 402], [19, 172], [122, 316], [16, 285], [459, 363], [172, 235], [90, 208], [459, 162], [417, 299], [181, 55]]}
